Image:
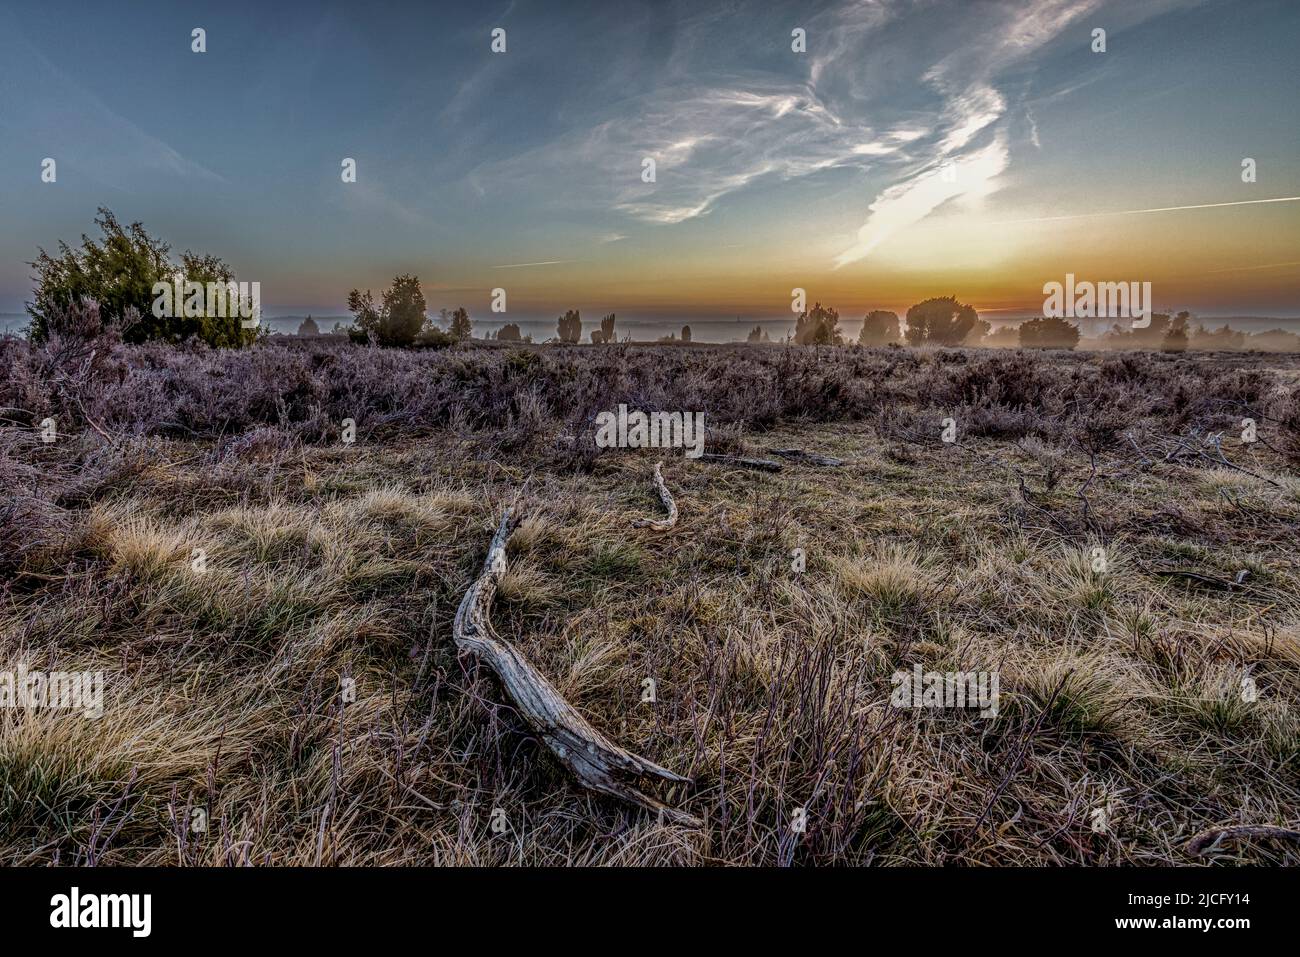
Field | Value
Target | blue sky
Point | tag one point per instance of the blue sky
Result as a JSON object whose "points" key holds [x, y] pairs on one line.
{"points": [[774, 169]]}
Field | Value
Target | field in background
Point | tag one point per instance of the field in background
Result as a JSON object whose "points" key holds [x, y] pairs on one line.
{"points": [[333, 565]]}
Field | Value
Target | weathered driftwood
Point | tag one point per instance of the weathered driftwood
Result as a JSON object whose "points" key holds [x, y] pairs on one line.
{"points": [[596, 761], [1212, 839], [801, 455], [763, 465], [665, 496]]}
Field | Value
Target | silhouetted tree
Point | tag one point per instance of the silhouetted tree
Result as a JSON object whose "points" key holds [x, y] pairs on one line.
{"points": [[1226, 339], [940, 322], [757, 334], [397, 320], [461, 328], [309, 327], [818, 327], [686, 333], [509, 333], [1008, 337], [606, 331], [1050, 332], [880, 328], [1150, 337], [1175, 339], [569, 326]]}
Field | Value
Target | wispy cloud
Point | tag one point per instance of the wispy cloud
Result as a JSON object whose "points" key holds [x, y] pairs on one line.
{"points": [[911, 201], [888, 88]]}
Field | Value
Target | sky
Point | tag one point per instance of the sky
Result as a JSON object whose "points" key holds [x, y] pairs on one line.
{"points": [[913, 149]]}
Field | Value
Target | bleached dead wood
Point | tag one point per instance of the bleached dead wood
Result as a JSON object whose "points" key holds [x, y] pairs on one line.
{"points": [[811, 458], [595, 761], [763, 465], [665, 496]]}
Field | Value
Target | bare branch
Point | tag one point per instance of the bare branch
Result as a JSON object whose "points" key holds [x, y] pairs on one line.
{"points": [[595, 761]]}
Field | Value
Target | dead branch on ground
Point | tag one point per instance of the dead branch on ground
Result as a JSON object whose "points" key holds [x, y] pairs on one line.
{"points": [[595, 761], [665, 496]]}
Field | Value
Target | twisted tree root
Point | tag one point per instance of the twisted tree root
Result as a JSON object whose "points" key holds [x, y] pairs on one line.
{"points": [[665, 496], [595, 761]]}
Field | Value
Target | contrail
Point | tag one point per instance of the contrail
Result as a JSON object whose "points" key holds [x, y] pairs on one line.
{"points": [[1295, 262], [549, 262], [1158, 209]]}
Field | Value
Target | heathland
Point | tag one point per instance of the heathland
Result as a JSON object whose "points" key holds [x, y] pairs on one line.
{"points": [[1114, 535]]}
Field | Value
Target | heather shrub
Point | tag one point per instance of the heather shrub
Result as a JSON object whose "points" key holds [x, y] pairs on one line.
{"points": [[306, 390]]}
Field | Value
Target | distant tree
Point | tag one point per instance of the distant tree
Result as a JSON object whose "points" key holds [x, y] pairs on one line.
{"points": [[1175, 339], [509, 333], [1008, 337], [606, 331], [880, 328], [818, 327], [397, 320], [309, 327], [686, 333], [1051, 332], [119, 273], [460, 327], [1274, 340], [757, 334], [941, 322], [1226, 339], [1150, 337], [569, 326]]}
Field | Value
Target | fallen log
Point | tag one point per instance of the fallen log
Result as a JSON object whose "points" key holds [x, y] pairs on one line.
{"points": [[1210, 840], [812, 458], [763, 465], [595, 761], [665, 496]]}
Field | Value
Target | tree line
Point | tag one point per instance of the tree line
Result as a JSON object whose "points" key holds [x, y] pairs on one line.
{"points": [[120, 270]]}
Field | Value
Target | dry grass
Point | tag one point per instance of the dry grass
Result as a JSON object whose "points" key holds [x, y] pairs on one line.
{"points": [[330, 569]]}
